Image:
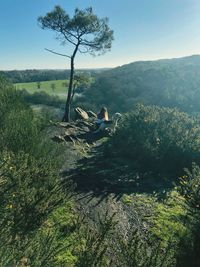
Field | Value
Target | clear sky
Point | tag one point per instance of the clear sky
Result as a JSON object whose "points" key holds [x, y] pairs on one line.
{"points": [[143, 30]]}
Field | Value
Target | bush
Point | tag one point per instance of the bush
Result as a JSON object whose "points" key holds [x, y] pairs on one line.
{"points": [[18, 131], [30, 186], [158, 140], [190, 189], [30, 191], [42, 98]]}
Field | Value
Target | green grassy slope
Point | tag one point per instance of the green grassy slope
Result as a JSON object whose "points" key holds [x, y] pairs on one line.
{"points": [[60, 87]]}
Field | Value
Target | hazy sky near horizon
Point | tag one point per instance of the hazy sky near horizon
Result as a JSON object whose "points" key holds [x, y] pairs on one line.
{"points": [[143, 30]]}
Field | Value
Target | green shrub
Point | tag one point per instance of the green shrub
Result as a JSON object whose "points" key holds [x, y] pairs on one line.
{"points": [[158, 140], [30, 185], [30, 191], [169, 220], [53, 244], [18, 131], [141, 251], [42, 98], [190, 189]]}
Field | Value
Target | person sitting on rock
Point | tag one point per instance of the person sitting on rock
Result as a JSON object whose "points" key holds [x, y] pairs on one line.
{"points": [[102, 120]]}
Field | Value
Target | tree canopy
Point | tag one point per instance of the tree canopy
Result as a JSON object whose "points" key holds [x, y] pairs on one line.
{"points": [[84, 29]]}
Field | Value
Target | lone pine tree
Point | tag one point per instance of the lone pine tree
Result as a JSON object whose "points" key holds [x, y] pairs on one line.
{"points": [[85, 32]]}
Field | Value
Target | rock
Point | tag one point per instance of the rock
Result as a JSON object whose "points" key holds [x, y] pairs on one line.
{"points": [[91, 114], [64, 124], [89, 124], [76, 132], [69, 138], [81, 114], [58, 138]]}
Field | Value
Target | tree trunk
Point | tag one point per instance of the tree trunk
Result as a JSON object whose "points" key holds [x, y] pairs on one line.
{"points": [[66, 116]]}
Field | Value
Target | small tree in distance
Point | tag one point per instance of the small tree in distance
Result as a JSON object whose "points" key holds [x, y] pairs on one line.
{"points": [[80, 81], [38, 85], [53, 87], [85, 32]]}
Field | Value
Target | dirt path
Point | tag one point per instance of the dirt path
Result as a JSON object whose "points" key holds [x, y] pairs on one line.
{"points": [[96, 193]]}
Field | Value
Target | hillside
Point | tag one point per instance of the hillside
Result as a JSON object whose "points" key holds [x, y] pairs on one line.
{"points": [[71, 197], [168, 82]]}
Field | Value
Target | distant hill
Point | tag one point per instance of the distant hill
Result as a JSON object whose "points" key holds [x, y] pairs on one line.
{"points": [[167, 82], [36, 75]]}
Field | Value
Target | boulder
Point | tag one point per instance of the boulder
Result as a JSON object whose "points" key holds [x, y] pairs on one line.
{"points": [[81, 114], [91, 114]]}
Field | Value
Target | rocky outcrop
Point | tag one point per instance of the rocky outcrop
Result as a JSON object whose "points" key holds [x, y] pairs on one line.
{"points": [[81, 114], [91, 114], [82, 130], [77, 131]]}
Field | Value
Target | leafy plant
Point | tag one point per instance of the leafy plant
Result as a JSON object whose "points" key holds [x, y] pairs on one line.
{"points": [[158, 140]]}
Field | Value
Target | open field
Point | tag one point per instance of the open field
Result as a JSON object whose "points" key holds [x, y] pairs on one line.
{"points": [[54, 87]]}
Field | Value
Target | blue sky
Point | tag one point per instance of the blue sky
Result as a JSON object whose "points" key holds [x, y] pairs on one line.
{"points": [[143, 30]]}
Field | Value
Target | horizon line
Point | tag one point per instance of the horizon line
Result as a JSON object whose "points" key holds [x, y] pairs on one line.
{"points": [[100, 68]]}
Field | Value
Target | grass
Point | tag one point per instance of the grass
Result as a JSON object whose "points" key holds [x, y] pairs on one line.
{"points": [[54, 87]]}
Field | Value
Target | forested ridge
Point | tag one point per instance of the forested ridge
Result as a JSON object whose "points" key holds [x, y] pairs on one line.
{"points": [[35, 75], [167, 82]]}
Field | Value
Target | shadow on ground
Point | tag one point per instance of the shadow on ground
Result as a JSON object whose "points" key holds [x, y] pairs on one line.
{"points": [[97, 175]]}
